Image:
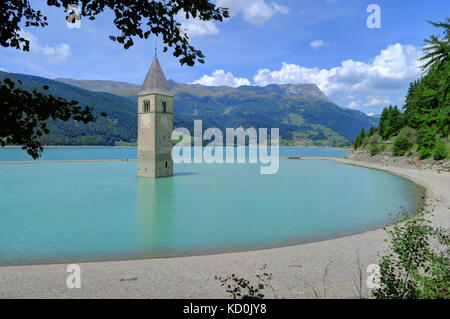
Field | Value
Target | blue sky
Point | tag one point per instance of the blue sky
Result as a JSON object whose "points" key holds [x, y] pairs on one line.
{"points": [[326, 42]]}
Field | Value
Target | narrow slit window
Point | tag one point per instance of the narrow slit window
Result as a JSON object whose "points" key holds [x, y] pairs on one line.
{"points": [[164, 105], [146, 106]]}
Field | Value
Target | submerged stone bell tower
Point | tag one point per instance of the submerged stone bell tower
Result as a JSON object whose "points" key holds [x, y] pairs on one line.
{"points": [[155, 125]]}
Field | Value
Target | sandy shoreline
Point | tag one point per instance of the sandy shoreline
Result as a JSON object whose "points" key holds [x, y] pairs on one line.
{"points": [[296, 269]]}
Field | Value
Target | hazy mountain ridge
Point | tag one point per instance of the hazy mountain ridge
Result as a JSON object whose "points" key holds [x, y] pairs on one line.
{"points": [[310, 91], [116, 88], [302, 112]]}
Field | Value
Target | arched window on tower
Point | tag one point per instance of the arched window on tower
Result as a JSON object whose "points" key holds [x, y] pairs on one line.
{"points": [[164, 105], [146, 106]]}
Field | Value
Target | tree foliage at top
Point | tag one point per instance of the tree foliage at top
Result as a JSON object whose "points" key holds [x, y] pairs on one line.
{"points": [[133, 18], [23, 115], [437, 49]]}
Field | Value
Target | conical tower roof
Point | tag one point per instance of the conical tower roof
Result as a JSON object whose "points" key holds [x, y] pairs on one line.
{"points": [[155, 82]]}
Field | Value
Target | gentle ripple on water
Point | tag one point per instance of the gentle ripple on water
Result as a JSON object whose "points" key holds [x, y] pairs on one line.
{"points": [[118, 153]]}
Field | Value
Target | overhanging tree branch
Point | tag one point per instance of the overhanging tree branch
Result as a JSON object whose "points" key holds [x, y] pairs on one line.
{"points": [[23, 115]]}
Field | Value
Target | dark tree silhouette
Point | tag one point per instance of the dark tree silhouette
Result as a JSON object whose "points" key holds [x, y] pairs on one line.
{"points": [[23, 115]]}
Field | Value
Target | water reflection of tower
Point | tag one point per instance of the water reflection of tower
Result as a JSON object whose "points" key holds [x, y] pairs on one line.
{"points": [[155, 217]]}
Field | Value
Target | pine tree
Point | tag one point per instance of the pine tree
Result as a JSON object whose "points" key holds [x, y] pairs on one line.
{"points": [[359, 139], [382, 128], [396, 123]]}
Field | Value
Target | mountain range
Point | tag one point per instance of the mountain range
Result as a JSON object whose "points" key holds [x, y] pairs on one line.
{"points": [[303, 113]]}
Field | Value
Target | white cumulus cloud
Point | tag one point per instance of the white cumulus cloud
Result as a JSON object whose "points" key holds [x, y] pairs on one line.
{"points": [[389, 73], [378, 102], [354, 105], [317, 44], [196, 27], [59, 54], [56, 54], [253, 11], [220, 78]]}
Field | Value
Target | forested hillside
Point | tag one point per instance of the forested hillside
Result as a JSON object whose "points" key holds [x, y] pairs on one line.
{"points": [[304, 115], [302, 112], [423, 126]]}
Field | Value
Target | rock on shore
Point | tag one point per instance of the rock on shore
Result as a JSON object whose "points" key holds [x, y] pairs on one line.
{"points": [[386, 159]]}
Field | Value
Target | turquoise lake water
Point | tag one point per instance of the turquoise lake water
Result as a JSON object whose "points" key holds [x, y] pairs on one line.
{"points": [[103, 153], [73, 212]]}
